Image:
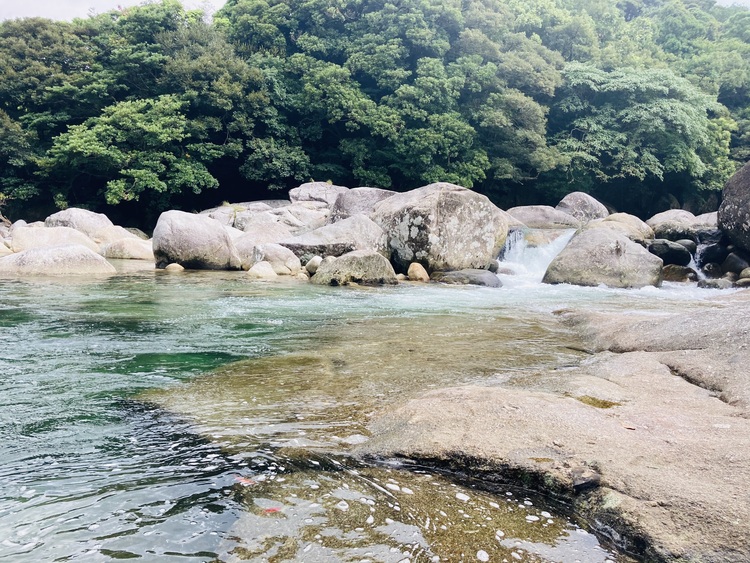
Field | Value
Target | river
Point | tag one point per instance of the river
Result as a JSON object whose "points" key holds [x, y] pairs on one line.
{"points": [[201, 416]]}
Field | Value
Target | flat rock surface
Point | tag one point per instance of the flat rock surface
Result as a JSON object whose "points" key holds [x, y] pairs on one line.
{"points": [[654, 425]]}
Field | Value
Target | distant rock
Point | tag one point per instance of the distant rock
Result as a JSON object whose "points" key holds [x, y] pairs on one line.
{"points": [[603, 257], [66, 260], [262, 271], [357, 200], [544, 217], [417, 273], [193, 241], [582, 206], [670, 252], [317, 191], [88, 222], [361, 267], [283, 261]]}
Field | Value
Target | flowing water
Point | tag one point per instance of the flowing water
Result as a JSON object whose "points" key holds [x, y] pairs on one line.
{"points": [[205, 417]]}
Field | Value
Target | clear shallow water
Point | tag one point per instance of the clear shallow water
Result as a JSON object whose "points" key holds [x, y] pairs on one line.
{"points": [[200, 417]]}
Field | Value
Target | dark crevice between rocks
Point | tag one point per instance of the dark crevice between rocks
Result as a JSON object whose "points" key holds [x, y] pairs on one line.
{"points": [[582, 500], [715, 390]]}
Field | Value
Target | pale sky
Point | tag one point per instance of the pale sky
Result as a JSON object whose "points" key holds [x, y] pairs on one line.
{"points": [[69, 9]]}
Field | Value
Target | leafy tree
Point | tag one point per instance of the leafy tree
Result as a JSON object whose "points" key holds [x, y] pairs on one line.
{"points": [[633, 126], [140, 148]]}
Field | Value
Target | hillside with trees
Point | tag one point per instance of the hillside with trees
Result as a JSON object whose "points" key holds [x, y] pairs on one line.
{"points": [[642, 103]]}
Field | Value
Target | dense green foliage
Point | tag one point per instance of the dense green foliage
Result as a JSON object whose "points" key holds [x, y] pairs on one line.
{"points": [[643, 103]]}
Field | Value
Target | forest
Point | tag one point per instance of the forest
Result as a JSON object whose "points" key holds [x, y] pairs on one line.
{"points": [[642, 103]]}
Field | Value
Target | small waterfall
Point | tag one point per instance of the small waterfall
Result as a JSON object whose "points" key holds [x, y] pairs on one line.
{"points": [[528, 253]]}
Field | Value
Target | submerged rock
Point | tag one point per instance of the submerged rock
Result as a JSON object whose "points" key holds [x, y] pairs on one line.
{"points": [[361, 266], [603, 257], [469, 276]]}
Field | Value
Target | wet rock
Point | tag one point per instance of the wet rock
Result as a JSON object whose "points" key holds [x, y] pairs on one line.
{"points": [[417, 273], [734, 211], [584, 478], [194, 242], [360, 266], [442, 226], [670, 252], [469, 276], [544, 217], [582, 206], [174, 268], [744, 274], [674, 273], [713, 253], [83, 220], [742, 283], [66, 260], [357, 201], [317, 191], [601, 256], [734, 262], [712, 270], [354, 233], [689, 244]]}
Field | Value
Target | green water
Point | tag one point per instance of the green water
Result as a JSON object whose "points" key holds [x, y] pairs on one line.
{"points": [[203, 417]]}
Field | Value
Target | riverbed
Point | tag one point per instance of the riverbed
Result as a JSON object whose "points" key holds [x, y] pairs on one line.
{"points": [[202, 416]]}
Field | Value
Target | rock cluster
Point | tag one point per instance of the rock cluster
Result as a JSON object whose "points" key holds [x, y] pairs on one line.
{"points": [[71, 242]]}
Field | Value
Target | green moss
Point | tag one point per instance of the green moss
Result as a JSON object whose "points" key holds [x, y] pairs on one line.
{"points": [[598, 403]]}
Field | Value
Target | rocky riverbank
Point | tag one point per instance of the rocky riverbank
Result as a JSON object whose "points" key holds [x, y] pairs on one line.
{"points": [[648, 439]]}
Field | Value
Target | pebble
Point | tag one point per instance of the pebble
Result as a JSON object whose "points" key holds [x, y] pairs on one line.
{"points": [[532, 518], [483, 555], [462, 496], [343, 506]]}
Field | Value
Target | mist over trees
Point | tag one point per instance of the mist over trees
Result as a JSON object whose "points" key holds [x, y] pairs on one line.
{"points": [[643, 103]]}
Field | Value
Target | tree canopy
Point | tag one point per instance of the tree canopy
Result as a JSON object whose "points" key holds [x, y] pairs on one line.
{"points": [[155, 106]]}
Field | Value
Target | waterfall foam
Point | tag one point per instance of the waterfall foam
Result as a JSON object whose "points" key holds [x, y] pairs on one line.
{"points": [[524, 262]]}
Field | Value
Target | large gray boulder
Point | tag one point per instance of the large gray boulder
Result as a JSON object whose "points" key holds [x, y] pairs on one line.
{"points": [[442, 226], [354, 233], [676, 215], [66, 260], [362, 267], [544, 217], [357, 200], [28, 237], [734, 211], [600, 256], [582, 206], [82, 220], [317, 191], [193, 241]]}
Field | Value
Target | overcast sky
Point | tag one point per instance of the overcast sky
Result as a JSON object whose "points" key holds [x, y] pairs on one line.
{"points": [[69, 9]]}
